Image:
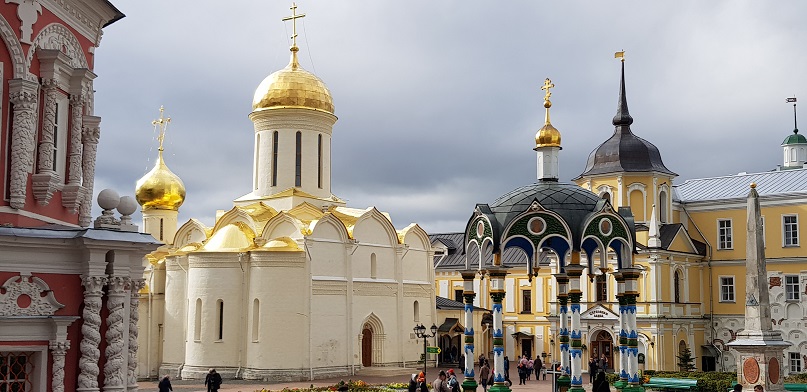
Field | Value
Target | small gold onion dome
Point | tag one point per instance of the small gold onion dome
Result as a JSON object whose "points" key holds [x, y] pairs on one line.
{"points": [[292, 87], [547, 136], [160, 188]]}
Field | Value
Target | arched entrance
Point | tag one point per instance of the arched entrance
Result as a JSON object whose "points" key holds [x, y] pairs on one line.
{"points": [[603, 345], [367, 347]]}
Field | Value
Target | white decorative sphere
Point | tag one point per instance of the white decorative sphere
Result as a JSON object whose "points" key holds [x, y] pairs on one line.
{"points": [[127, 205], [108, 199]]}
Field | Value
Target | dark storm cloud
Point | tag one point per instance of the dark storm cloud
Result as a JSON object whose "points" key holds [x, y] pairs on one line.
{"points": [[438, 102]]}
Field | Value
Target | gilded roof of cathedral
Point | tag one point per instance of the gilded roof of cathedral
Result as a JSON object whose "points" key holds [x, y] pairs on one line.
{"points": [[160, 188], [292, 87]]}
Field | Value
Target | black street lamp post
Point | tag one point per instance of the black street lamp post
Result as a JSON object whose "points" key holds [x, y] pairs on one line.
{"points": [[420, 332]]}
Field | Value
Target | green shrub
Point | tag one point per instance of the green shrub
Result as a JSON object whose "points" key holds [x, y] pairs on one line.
{"points": [[707, 381], [800, 378]]}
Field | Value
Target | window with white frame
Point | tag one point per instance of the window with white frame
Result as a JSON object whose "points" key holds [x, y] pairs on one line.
{"points": [[790, 230], [727, 289], [724, 234], [795, 362], [60, 129], [792, 287]]}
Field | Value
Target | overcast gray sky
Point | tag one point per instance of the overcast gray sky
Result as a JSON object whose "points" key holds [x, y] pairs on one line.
{"points": [[439, 101]]}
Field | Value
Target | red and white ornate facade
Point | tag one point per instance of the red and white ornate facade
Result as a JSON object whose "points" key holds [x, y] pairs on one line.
{"points": [[68, 293]]}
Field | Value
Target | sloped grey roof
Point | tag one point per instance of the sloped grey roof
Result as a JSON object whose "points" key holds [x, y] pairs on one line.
{"points": [[737, 186], [450, 304], [667, 235], [65, 233], [455, 261]]}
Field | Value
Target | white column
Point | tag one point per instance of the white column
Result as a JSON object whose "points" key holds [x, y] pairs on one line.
{"points": [[563, 318], [24, 96], [73, 194], [468, 295], [58, 349], [134, 317], [497, 293], [90, 333], [623, 326], [115, 346], [631, 294], [575, 352], [91, 134], [45, 181]]}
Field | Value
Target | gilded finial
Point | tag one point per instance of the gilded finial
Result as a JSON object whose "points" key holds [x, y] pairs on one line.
{"points": [[293, 18], [620, 55], [753, 185], [162, 122], [547, 103]]}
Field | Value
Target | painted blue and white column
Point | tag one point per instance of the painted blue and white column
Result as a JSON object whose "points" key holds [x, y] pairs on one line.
{"points": [[563, 320], [497, 292], [631, 294], [623, 331], [469, 383], [574, 271]]}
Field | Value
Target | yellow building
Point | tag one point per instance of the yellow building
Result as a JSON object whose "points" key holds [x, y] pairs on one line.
{"points": [[689, 250]]}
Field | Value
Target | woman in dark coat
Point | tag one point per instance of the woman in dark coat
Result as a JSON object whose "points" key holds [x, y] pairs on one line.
{"points": [[601, 384], [413, 383], [213, 381], [165, 384]]}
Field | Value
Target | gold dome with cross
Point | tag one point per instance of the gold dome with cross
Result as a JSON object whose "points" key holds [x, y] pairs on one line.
{"points": [[160, 188]]}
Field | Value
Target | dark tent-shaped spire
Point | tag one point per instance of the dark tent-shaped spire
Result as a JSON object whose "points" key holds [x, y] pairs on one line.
{"points": [[622, 117]]}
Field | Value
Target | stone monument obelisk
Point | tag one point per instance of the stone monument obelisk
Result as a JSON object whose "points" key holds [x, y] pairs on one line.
{"points": [[759, 348]]}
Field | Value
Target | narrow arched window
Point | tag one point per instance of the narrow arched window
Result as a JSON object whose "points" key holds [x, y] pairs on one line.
{"points": [[373, 266], [161, 229], [662, 198], [220, 319], [256, 319], [274, 158], [416, 314], [197, 321], [606, 196], [256, 158], [298, 165], [319, 161], [677, 287]]}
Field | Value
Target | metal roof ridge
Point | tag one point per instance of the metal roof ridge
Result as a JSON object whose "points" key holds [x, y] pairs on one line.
{"points": [[769, 172]]}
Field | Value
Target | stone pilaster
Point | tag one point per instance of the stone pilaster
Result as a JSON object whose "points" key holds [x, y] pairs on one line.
{"points": [[90, 136], [469, 383], [23, 95], [134, 317], [45, 182], [73, 194], [90, 333], [58, 349], [574, 271], [497, 292], [115, 344]]}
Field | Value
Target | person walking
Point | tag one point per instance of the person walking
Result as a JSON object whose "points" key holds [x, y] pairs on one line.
{"points": [[165, 384], [413, 383], [506, 368], [601, 384], [439, 384], [212, 380], [484, 373], [592, 369], [453, 383], [538, 365], [422, 386], [530, 365]]}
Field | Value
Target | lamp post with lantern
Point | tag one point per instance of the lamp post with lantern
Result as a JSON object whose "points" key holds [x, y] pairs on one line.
{"points": [[420, 332]]}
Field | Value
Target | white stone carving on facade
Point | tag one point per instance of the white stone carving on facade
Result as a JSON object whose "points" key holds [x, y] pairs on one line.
{"points": [[46, 180], [89, 139], [375, 289], [28, 12], [73, 14], [56, 36], [58, 350], [113, 379], [328, 288], [73, 194], [23, 94], [14, 50], [134, 317], [91, 333], [43, 302]]}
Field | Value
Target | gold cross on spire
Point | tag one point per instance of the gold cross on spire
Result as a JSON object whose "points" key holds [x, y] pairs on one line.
{"points": [[293, 18], [547, 85], [620, 55], [162, 122]]}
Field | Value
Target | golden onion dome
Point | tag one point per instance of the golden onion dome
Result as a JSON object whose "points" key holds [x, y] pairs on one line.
{"points": [[547, 136], [160, 188], [292, 87]]}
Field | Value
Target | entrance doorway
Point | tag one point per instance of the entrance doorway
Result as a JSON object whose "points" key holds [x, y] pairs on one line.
{"points": [[526, 348], [603, 344], [367, 347]]}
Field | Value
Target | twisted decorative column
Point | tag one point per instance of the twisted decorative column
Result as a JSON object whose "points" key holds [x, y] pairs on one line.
{"points": [[58, 349], [623, 333], [45, 181], [90, 333], [497, 292], [73, 193], [134, 317], [92, 132], [115, 345], [574, 271], [468, 294], [563, 324], [630, 295], [23, 95]]}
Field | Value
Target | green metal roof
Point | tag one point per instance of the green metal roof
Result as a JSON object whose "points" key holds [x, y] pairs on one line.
{"points": [[795, 138]]}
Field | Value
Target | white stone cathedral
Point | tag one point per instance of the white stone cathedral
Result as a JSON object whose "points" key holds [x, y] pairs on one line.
{"points": [[289, 284]]}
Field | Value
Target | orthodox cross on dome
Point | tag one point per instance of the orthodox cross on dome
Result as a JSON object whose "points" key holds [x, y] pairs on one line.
{"points": [[547, 85], [161, 122], [293, 18]]}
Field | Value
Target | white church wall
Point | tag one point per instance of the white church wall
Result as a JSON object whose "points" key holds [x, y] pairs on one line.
{"points": [[219, 338], [416, 263], [327, 258], [329, 329], [378, 299], [176, 302], [282, 225]]}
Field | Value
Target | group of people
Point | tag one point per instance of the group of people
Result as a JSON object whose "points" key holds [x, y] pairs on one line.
{"points": [[445, 382], [212, 382], [596, 365], [526, 367]]}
